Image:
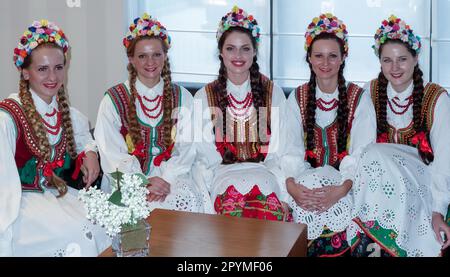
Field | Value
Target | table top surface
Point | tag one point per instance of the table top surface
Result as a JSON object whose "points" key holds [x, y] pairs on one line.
{"points": [[184, 234]]}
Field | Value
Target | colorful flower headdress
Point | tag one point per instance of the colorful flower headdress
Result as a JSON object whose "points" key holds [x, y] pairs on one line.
{"points": [[238, 18], [146, 26], [396, 28], [326, 23], [38, 33]]}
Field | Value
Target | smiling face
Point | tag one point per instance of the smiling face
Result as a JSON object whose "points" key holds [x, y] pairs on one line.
{"points": [[46, 71], [326, 59], [237, 53], [148, 60], [397, 64]]}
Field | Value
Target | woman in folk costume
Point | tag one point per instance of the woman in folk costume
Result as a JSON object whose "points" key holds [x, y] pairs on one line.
{"points": [[237, 160], [330, 122], [40, 138], [143, 124], [402, 189]]}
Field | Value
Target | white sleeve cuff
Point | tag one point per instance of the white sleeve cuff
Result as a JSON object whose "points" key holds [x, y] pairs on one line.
{"points": [[440, 207], [92, 146], [168, 177]]}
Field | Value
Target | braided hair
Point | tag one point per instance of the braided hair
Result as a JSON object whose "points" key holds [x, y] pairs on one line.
{"points": [[418, 93], [343, 110], [35, 120], [134, 128], [258, 93]]}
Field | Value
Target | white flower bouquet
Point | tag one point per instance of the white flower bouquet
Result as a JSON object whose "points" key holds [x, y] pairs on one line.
{"points": [[123, 208]]}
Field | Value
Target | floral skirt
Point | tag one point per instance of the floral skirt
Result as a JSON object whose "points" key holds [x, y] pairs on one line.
{"points": [[364, 246], [329, 244], [253, 204], [375, 241]]}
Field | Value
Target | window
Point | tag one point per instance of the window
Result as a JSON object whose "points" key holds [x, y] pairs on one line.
{"points": [[193, 23], [292, 18], [441, 43]]}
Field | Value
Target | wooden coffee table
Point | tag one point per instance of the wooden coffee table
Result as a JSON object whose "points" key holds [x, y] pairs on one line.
{"points": [[183, 234]]}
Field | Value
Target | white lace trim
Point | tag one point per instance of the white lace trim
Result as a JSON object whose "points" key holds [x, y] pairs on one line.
{"points": [[395, 194], [183, 197], [337, 218]]}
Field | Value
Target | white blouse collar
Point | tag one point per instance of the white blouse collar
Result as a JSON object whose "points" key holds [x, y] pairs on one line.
{"points": [[400, 95], [144, 90], [323, 95], [239, 90], [41, 106]]}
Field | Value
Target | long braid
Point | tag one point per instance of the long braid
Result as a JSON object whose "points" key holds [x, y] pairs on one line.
{"points": [[418, 93], [35, 120], [419, 124], [342, 113], [382, 125], [221, 94], [310, 115], [417, 98], [64, 108], [259, 100], [133, 125], [167, 102]]}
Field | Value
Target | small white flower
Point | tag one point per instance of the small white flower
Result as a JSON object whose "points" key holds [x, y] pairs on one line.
{"points": [[110, 216]]}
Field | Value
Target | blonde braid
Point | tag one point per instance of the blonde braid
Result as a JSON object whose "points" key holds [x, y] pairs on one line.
{"points": [[35, 119], [168, 101], [134, 128], [64, 109]]}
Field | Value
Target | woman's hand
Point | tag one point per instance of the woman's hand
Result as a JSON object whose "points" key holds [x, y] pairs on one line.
{"points": [[90, 168], [330, 195], [285, 207], [439, 225], [303, 197], [158, 188]]}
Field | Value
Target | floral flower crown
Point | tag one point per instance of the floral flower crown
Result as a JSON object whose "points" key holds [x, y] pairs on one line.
{"points": [[38, 33], [395, 28], [238, 18], [146, 26], [326, 23]]}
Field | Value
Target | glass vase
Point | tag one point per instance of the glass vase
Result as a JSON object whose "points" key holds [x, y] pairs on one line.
{"points": [[133, 240]]}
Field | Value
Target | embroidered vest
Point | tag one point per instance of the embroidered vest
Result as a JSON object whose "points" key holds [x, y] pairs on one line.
{"points": [[432, 92], [152, 137], [27, 157], [326, 139], [245, 137]]}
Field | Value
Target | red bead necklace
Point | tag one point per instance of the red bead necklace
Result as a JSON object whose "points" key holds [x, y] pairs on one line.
{"points": [[322, 104], [245, 104], [403, 108], [53, 129], [147, 111]]}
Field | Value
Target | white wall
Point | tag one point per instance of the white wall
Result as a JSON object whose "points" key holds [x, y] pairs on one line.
{"points": [[94, 28]]}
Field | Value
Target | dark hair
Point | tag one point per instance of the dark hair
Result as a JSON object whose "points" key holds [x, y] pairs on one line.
{"points": [[35, 119], [419, 124], [134, 127], [220, 90], [343, 111]]}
